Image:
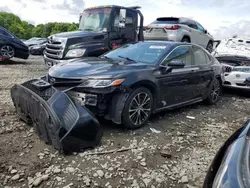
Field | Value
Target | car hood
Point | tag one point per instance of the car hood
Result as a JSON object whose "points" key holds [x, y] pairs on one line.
{"points": [[232, 47], [93, 67], [76, 34]]}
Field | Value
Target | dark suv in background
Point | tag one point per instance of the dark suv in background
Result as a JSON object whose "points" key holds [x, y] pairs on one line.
{"points": [[12, 46]]}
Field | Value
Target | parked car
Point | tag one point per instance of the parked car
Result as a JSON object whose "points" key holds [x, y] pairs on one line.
{"points": [[125, 85], [179, 29], [35, 41], [12, 46], [230, 166], [233, 53], [37, 49]]}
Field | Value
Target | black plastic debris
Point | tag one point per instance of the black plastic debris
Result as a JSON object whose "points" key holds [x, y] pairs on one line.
{"points": [[56, 118]]}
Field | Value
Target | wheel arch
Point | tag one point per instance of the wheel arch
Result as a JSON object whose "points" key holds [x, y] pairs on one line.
{"points": [[150, 86], [187, 36]]}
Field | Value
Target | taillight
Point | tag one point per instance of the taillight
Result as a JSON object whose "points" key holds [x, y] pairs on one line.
{"points": [[172, 27], [147, 28]]}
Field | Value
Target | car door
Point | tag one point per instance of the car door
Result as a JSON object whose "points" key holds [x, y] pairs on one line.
{"points": [[195, 34], [120, 36], [174, 86], [204, 74], [202, 37]]}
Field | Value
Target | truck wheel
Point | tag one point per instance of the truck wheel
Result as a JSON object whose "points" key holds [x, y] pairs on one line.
{"points": [[7, 51], [214, 92], [210, 47], [48, 65], [138, 108]]}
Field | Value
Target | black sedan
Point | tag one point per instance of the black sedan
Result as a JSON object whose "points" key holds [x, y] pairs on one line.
{"points": [[35, 41], [230, 167], [37, 49], [11, 46], [125, 85]]}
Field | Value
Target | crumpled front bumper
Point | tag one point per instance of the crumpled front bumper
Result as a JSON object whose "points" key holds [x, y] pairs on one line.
{"points": [[56, 118]]}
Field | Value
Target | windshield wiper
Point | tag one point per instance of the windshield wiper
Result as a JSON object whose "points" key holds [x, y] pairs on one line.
{"points": [[127, 58], [86, 29], [106, 57]]}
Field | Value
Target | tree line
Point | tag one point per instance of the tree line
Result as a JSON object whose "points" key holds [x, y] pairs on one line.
{"points": [[25, 30]]}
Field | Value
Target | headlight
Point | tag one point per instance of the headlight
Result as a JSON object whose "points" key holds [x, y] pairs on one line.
{"points": [[101, 83], [76, 53], [219, 181]]}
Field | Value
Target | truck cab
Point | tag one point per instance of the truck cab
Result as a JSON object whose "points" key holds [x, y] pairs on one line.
{"points": [[101, 29]]}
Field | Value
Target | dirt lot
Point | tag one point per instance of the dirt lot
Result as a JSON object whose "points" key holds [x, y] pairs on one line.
{"points": [[189, 144]]}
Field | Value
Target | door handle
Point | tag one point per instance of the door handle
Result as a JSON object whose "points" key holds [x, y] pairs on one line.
{"points": [[184, 81], [192, 71]]}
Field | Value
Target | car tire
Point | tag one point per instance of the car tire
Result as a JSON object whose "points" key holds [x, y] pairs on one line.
{"points": [[214, 92], [185, 39], [138, 108], [209, 47], [7, 51]]}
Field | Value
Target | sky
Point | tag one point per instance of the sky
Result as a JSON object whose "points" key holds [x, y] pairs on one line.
{"points": [[222, 18]]}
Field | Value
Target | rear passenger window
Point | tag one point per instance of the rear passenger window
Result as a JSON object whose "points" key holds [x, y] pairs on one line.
{"points": [[182, 53], [200, 57]]}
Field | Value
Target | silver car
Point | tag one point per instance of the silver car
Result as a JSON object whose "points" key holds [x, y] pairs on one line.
{"points": [[180, 30]]}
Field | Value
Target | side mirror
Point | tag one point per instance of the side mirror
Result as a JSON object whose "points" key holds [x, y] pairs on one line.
{"points": [[80, 17], [122, 18], [175, 64], [205, 31]]}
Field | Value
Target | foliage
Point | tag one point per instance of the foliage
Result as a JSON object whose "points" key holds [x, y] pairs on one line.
{"points": [[24, 30]]}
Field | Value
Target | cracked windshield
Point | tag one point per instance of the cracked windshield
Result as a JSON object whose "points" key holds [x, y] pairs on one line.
{"points": [[124, 94]]}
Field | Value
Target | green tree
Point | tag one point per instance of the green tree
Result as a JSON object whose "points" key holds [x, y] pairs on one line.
{"points": [[24, 30]]}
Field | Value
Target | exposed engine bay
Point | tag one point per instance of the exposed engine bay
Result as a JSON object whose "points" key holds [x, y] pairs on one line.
{"points": [[234, 55]]}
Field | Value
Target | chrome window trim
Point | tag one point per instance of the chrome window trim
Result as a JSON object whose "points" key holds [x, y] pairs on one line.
{"points": [[182, 45]]}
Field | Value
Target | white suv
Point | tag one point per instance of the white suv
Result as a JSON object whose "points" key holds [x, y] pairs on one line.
{"points": [[180, 30]]}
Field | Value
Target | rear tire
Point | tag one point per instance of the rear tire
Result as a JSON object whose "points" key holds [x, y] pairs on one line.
{"points": [[7, 51], [138, 108], [214, 92], [186, 39]]}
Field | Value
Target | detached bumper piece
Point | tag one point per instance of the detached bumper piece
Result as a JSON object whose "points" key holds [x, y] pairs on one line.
{"points": [[57, 120]]}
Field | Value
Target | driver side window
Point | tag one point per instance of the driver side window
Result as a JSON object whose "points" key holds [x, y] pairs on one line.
{"points": [[115, 25], [183, 53]]}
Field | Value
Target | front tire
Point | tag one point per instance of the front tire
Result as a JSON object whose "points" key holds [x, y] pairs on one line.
{"points": [[7, 51], [214, 92], [138, 108]]}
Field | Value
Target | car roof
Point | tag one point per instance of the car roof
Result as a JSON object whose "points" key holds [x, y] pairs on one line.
{"points": [[174, 17], [114, 6]]}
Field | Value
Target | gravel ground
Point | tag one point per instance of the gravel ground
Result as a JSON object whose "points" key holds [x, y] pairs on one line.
{"points": [[175, 153]]}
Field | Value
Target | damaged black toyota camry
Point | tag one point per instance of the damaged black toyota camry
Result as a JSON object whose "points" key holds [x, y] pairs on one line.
{"points": [[125, 86]]}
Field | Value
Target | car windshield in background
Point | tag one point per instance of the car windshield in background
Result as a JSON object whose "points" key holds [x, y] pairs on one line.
{"points": [[148, 53], [166, 21], [95, 19]]}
